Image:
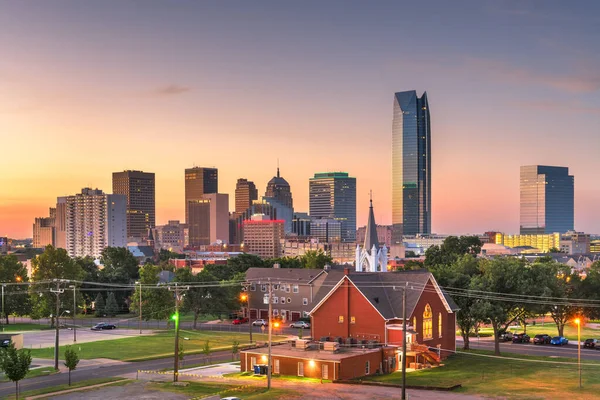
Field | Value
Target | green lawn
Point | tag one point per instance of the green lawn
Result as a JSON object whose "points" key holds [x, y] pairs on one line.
{"points": [[154, 346], [58, 388], [507, 378], [198, 390], [25, 327]]}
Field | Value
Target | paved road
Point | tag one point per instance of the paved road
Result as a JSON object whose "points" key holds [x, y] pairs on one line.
{"points": [[569, 350]]}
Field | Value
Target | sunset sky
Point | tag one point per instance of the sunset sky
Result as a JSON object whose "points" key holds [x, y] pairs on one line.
{"points": [[88, 88]]}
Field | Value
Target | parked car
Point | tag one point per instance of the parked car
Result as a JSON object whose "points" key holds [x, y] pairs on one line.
{"points": [[590, 343], [559, 340], [521, 338], [239, 321], [542, 339], [260, 322], [505, 336], [5, 343], [300, 324], [103, 326]]}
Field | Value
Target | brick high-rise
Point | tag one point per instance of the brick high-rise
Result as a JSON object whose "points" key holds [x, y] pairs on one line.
{"points": [[139, 189]]}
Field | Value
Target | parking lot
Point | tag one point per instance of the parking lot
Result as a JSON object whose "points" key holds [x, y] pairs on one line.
{"points": [[41, 339]]}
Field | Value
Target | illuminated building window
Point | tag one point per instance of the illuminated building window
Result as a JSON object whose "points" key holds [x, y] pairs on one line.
{"points": [[440, 324], [341, 319], [352, 320], [427, 322]]}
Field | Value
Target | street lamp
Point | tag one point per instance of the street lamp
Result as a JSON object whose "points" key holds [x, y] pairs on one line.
{"points": [[578, 322]]}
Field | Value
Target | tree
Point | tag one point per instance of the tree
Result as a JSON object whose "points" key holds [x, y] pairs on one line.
{"points": [[157, 301], [112, 307], [235, 348], [52, 264], [554, 250], [206, 350], [99, 305], [120, 266], [71, 360], [85, 296], [315, 259], [15, 364], [410, 254], [16, 297], [451, 249]]}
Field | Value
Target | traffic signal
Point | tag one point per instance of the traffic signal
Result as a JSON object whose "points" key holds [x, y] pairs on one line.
{"points": [[175, 317]]}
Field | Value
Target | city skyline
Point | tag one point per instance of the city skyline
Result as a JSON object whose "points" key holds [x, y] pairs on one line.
{"points": [[72, 74]]}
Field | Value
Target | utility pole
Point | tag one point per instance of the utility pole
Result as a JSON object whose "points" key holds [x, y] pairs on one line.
{"points": [[247, 286], [74, 311], [140, 324], [58, 291], [177, 289], [270, 333], [404, 341], [2, 317]]}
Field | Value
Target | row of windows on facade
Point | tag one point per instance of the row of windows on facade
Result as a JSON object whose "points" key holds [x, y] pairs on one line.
{"points": [[275, 300], [283, 287], [311, 363]]}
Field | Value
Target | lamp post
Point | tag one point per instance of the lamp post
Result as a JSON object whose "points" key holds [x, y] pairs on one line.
{"points": [[140, 323], [245, 297], [2, 316], [74, 312], [578, 322]]}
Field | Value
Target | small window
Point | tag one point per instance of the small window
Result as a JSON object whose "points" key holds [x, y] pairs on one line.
{"points": [[263, 288], [304, 301], [287, 288], [305, 314], [440, 324], [253, 288], [276, 367], [301, 369], [289, 300], [367, 368], [275, 313], [275, 300], [253, 361], [341, 319], [352, 320], [295, 289], [275, 286], [282, 300]]}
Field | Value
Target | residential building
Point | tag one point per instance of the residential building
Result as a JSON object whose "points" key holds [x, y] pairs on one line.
{"points": [[384, 234], [340, 252], [245, 194], [279, 189], [139, 189], [326, 230], [44, 233], [371, 257], [547, 200], [294, 290], [60, 223], [94, 221], [262, 236], [198, 182], [411, 166], [332, 195], [170, 236]]}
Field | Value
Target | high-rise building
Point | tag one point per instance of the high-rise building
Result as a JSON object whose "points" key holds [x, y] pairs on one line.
{"points": [[139, 189], [44, 232], [94, 221], [170, 236], [333, 195], [209, 220], [411, 166], [279, 189], [326, 230], [547, 200], [61, 223], [198, 182], [263, 236], [245, 193]]}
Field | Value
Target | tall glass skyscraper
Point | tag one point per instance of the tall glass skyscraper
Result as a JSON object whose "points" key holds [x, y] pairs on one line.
{"points": [[411, 166], [547, 200], [333, 195]]}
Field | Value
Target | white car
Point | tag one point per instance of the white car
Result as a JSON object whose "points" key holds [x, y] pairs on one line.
{"points": [[300, 324], [260, 322]]}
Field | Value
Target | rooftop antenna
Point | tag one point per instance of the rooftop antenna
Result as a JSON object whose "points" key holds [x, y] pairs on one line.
{"points": [[278, 167]]}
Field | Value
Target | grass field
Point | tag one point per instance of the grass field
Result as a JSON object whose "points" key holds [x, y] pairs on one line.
{"points": [[512, 376], [549, 328], [198, 390], [155, 346]]}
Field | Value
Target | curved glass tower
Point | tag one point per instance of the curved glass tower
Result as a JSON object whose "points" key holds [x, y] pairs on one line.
{"points": [[411, 166]]}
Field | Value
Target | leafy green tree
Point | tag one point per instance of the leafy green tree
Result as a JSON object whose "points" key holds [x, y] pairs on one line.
{"points": [[206, 350], [15, 364], [71, 360], [451, 249], [157, 301], [112, 307], [120, 266], [235, 348], [410, 254], [52, 264], [90, 274], [589, 289], [99, 305], [554, 250], [286, 262], [16, 298], [315, 259]]}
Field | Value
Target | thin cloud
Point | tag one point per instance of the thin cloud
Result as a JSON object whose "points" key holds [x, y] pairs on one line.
{"points": [[172, 90], [565, 107]]}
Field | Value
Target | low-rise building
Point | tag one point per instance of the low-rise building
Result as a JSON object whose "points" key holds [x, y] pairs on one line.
{"points": [[340, 252]]}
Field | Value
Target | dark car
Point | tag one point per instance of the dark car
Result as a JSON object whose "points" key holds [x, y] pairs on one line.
{"points": [[5, 343], [590, 343], [239, 321], [521, 338], [103, 326], [505, 336], [542, 339]]}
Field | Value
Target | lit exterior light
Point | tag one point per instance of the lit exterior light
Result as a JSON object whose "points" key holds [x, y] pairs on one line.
{"points": [[244, 297], [264, 358], [577, 321], [175, 317], [311, 363]]}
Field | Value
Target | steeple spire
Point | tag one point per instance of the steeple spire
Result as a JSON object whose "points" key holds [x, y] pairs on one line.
{"points": [[278, 167], [371, 233]]}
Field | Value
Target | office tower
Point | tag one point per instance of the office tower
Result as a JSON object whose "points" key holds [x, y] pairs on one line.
{"points": [[333, 195], [411, 166], [209, 219], [262, 236], [279, 189], [198, 182], [170, 236], [139, 189], [327, 230], [44, 232], [301, 224], [277, 210], [245, 193], [60, 226], [94, 221], [547, 199]]}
